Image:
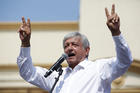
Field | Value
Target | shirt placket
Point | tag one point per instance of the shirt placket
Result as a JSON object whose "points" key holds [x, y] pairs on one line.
{"points": [[71, 79]]}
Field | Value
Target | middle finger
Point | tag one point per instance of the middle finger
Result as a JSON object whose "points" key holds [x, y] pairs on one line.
{"points": [[113, 9]]}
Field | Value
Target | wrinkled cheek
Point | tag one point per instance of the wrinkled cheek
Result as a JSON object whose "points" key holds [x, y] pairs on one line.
{"points": [[65, 51], [71, 60], [80, 57]]}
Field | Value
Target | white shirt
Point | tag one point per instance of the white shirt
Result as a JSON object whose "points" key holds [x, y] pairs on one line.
{"points": [[86, 77]]}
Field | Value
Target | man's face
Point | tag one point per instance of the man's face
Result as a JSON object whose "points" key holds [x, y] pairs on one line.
{"points": [[73, 47]]}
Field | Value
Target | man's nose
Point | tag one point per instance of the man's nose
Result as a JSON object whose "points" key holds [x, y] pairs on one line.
{"points": [[70, 48]]}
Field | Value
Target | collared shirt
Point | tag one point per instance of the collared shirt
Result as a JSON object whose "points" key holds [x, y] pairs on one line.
{"points": [[86, 77]]}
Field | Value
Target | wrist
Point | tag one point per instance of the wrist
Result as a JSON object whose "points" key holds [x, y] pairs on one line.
{"points": [[116, 33], [25, 44]]}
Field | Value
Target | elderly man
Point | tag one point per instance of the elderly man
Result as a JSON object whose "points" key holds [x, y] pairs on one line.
{"points": [[81, 75]]}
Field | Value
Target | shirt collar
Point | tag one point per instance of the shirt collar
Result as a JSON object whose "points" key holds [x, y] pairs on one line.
{"points": [[81, 65]]}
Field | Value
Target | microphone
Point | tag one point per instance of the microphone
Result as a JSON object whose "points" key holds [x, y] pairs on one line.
{"points": [[56, 65]]}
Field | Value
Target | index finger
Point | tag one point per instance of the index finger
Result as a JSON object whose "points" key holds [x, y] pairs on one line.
{"points": [[23, 21], [106, 12]]}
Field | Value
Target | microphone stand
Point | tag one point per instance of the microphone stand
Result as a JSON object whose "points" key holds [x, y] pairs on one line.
{"points": [[57, 78]]}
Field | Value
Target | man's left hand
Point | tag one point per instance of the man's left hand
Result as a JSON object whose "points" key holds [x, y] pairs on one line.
{"points": [[113, 21]]}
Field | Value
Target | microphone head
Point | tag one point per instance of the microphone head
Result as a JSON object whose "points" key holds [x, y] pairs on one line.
{"points": [[65, 56]]}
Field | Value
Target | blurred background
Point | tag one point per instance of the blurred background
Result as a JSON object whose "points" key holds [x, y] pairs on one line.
{"points": [[51, 20]]}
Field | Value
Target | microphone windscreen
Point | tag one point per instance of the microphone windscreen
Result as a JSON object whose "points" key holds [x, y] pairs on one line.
{"points": [[65, 56]]}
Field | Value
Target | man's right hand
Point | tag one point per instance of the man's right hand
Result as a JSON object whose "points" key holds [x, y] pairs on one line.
{"points": [[25, 32]]}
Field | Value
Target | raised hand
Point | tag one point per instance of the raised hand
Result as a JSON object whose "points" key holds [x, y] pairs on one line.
{"points": [[113, 21], [25, 32]]}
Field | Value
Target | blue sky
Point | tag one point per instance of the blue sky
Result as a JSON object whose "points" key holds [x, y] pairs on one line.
{"points": [[39, 10]]}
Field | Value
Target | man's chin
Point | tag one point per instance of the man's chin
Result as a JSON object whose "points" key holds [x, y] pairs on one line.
{"points": [[71, 61]]}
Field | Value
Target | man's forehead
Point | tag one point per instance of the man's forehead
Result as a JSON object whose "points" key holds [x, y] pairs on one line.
{"points": [[74, 39]]}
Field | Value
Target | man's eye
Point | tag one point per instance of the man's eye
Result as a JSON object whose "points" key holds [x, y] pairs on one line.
{"points": [[65, 46], [75, 44]]}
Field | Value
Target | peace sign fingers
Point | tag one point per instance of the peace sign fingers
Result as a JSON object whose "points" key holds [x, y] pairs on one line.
{"points": [[26, 26], [113, 21], [112, 11]]}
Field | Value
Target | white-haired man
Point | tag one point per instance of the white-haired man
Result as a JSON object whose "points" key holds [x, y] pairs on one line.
{"points": [[81, 75]]}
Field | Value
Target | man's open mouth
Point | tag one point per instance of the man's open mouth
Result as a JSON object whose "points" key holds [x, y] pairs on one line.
{"points": [[71, 54]]}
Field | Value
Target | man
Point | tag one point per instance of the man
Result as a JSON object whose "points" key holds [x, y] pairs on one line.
{"points": [[81, 75]]}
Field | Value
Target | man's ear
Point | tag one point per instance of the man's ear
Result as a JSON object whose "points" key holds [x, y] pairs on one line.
{"points": [[87, 51]]}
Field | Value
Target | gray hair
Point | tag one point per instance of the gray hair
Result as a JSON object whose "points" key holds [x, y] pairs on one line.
{"points": [[84, 39]]}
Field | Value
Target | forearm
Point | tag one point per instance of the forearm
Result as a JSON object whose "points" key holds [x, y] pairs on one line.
{"points": [[27, 71], [24, 62], [123, 58], [33, 75], [122, 51]]}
